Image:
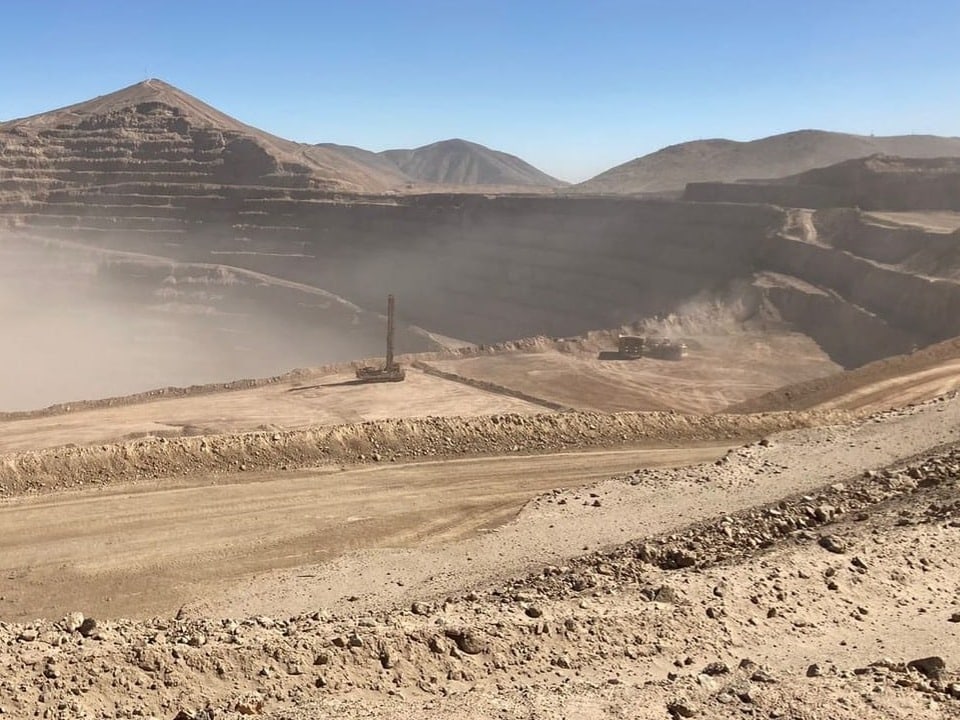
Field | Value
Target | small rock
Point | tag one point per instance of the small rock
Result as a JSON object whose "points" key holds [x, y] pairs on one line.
{"points": [[825, 513], [762, 676], [666, 594], [73, 621], [27, 635], [533, 611], [467, 641], [88, 627], [933, 667], [716, 668], [833, 544], [421, 608], [814, 670], [249, 706], [682, 709]]}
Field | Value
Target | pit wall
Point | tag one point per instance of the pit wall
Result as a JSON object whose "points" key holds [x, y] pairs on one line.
{"points": [[881, 191], [492, 268]]}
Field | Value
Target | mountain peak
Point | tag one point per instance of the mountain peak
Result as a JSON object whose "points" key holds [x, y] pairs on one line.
{"points": [[461, 162], [156, 103], [146, 91]]}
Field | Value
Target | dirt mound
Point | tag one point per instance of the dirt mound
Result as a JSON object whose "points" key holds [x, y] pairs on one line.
{"points": [[886, 383], [459, 162], [378, 441]]}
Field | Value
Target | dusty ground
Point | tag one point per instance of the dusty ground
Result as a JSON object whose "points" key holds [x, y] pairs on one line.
{"points": [[712, 599], [720, 370], [323, 399], [136, 551], [892, 382]]}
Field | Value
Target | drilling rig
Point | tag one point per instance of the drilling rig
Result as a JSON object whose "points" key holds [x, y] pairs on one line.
{"points": [[391, 371]]}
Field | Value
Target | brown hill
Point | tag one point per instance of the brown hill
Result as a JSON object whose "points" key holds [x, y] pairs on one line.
{"points": [[155, 128], [718, 160], [459, 162], [878, 182]]}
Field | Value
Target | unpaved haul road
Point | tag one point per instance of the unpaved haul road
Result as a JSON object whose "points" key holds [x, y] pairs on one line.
{"points": [[140, 551]]}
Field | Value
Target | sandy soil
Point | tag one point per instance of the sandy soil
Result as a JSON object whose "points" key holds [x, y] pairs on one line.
{"points": [[323, 400], [720, 370], [892, 382], [550, 532], [145, 550]]}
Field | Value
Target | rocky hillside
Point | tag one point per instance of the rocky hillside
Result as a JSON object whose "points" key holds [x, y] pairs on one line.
{"points": [[671, 168], [153, 139], [459, 162], [878, 182]]}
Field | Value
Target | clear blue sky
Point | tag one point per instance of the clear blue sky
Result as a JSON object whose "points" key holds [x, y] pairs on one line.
{"points": [[574, 87]]}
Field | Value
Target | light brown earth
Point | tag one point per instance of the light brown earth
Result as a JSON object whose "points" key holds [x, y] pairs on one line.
{"points": [[308, 401], [594, 634], [892, 382], [143, 550], [719, 369]]}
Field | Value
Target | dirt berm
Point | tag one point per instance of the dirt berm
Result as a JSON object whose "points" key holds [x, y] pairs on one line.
{"points": [[854, 388], [378, 441]]}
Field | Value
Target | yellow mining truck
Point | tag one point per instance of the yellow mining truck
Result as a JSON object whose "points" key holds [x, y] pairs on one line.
{"points": [[633, 347]]}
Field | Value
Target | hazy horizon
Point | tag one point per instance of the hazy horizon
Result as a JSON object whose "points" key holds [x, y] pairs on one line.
{"points": [[574, 88]]}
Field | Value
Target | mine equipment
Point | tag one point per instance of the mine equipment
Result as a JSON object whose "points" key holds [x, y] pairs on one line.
{"points": [[391, 370], [633, 347]]}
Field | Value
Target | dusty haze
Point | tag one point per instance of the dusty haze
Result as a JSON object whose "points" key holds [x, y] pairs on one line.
{"points": [[81, 324]]}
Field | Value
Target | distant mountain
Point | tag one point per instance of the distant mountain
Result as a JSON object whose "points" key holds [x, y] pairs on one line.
{"points": [[671, 168], [459, 162]]}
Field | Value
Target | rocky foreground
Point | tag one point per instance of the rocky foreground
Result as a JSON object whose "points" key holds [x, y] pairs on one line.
{"points": [[840, 603]]}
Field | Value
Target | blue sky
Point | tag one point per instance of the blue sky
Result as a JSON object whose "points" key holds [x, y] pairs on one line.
{"points": [[574, 87]]}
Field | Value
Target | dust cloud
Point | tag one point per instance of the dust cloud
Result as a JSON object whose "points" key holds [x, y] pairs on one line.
{"points": [[81, 324]]}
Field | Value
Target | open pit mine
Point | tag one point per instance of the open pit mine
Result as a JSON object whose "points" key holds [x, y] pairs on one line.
{"points": [[680, 441]]}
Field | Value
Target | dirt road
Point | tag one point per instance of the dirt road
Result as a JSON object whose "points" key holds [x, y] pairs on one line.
{"points": [[141, 550]]}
